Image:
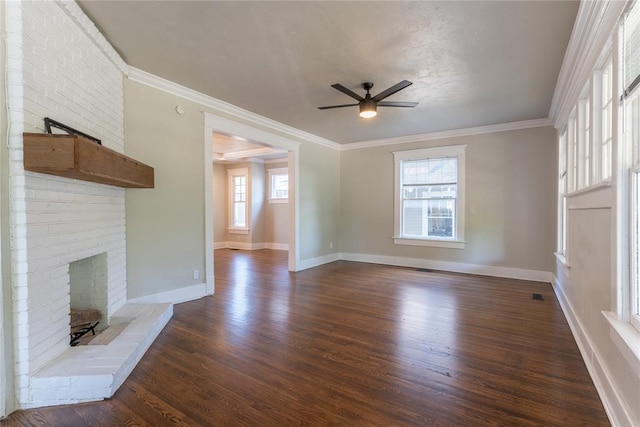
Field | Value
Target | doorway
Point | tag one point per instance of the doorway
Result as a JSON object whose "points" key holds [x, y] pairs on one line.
{"points": [[250, 194], [215, 125]]}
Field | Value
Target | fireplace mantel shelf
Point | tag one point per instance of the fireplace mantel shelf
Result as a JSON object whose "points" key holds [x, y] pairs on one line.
{"points": [[73, 156]]}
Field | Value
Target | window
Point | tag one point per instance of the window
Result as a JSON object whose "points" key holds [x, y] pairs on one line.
{"points": [[429, 197], [631, 114], [562, 196], [238, 196], [584, 142], [572, 165], [632, 118], [606, 119], [278, 185]]}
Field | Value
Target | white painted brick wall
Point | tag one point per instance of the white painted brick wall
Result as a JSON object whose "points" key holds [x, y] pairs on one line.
{"points": [[59, 66]]}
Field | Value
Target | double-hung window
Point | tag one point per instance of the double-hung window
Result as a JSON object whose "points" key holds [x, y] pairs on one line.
{"points": [[606, 119], [429, 197], [632, 118], [238, 200], [562, 196], [278, 185], [631, 114]]}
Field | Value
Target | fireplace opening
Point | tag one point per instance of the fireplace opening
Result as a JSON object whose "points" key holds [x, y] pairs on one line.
{"points": [[88, 298]]}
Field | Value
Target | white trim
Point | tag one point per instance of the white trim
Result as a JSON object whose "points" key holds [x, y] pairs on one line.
{"points": [[173, 296], [277, 246], [213, 123], [436, 243], [457, 151], [626, 338], [270, 173], [279, 160], [314, 262], [245, 246], [208, 211], [455, 267], [598, 196], [253, 119], [232, 173], [454, 133], [562, 259], [238, 230], [614, 406], [591, 32], [143, 77]]}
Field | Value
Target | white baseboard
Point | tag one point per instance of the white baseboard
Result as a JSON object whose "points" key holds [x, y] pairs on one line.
{"points": [[277, 246], [173, 296], [613, 404], [314, 262], [484, 270], [250, 246]]}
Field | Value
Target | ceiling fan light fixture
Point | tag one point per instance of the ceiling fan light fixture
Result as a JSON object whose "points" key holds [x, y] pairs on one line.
{"points": [[368, 109]]}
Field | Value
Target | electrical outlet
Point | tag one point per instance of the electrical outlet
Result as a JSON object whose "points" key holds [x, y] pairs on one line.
{"points": [[330, 245], [196, 274]]}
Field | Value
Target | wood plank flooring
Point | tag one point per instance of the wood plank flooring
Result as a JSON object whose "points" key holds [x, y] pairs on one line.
{"points": [[351, 344]]}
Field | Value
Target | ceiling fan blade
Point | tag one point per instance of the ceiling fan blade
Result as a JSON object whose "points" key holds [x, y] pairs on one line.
{"points": [[393, 89], [346, 91], [337, 106], [396, 104]]}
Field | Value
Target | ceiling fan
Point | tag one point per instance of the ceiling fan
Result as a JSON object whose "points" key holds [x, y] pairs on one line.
{"points": [[368, 104]]}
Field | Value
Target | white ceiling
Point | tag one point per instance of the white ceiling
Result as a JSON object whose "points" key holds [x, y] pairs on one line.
{"points": [[232, 149], [472, 63]]}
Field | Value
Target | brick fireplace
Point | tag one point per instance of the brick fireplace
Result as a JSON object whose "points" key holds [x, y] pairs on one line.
{"points": [[60, 66]]}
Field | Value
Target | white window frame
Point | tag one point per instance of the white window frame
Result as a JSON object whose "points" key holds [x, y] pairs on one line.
{"points": [[603, 124], [624, 326], [632, 141], [231, 174], [584, 140], [572, 153], [271, 173], [561, 249], [458, 151]]}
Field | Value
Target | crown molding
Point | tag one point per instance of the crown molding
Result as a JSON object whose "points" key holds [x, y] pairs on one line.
{"points": [[455, 133], [592, 30], [237, 113]]}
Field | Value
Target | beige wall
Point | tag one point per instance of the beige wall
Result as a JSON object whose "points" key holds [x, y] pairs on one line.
{"points": [[319, 195], [165, 225], [257, 183], [219, 203], [509, 210], [276, 219], [269, 220]]}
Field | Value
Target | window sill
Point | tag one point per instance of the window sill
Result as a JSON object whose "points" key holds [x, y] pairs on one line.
{"points": [[436, 243], [626, 338], [278, 200], [562, 260], [238, 231], [596, 196]]}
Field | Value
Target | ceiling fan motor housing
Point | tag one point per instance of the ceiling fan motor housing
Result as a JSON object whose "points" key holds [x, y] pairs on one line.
{"points": [[368, 104]]}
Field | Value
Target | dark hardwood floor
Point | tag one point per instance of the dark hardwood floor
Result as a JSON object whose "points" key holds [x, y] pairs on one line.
{"points": [[352, 344]]}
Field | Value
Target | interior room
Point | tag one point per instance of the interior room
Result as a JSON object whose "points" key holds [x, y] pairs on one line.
{"points": [[314, 213]]}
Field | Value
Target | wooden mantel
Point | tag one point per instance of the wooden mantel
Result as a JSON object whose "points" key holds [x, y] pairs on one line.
{"points": [[76, 157]]}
